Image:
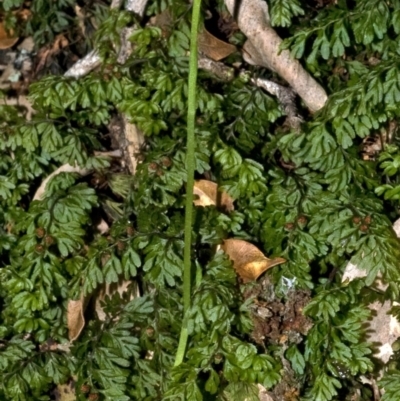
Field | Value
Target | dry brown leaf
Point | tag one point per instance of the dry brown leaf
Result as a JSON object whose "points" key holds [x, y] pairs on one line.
{"points": [[208, 194], [21, 102], [65, 392], [75, 317], [45, 54], [23, 15], [106, 289], [7, 39], [248, 261], [383, 327], [134, 140], [164, 21], [213, 47]]}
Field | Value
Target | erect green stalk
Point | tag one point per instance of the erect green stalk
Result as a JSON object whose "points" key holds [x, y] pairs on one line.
{"points": [[190, 167]]}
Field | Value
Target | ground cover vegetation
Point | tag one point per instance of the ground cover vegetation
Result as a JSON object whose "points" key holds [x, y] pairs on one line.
{"points": [[313, 193]]}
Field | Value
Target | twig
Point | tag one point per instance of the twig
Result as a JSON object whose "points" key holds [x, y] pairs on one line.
{"points": [[92, 60], [375, 389], [285, 95], [286, 98], [136, 6], [216, 68], [65, 168], [263, 48], [83, 66], [132, 136], [116, 4]]}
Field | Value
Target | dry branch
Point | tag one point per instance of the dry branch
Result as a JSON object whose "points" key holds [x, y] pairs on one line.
{"points": [[263, 47], [136, 6], [82, 67], [285, 95], [133, 137], [92, 60], [286, 98], [66, 168], [216, 68]]}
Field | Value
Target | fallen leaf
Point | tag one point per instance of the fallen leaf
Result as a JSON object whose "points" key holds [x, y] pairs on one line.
{"points": [[208, 194], [134, 139], [106, 289], [383, 327], [164, 21], [22, 103], [23, 15], [213, 47], [248, 261], [65, 392], [75, 317], [47, 52], [7, 38]]}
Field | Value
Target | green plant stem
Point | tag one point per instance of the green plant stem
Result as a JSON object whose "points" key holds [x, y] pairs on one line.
{"points": [[190, 167]]}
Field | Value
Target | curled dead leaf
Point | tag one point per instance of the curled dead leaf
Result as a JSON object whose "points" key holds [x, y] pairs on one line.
{"points": [[213, 47], [7, 38], [75, 317], [248, 261], [208, 194]]}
